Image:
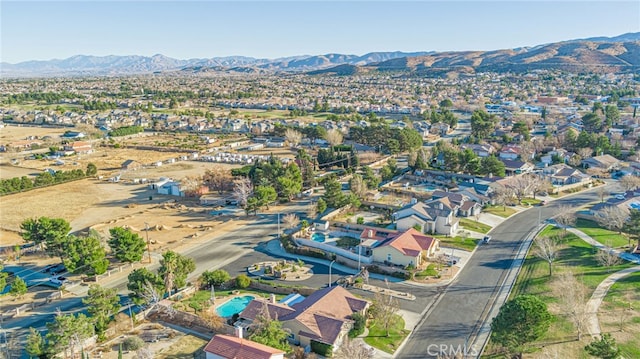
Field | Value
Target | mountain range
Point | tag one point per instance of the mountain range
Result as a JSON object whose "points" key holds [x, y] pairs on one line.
{"points": [[617, 53]]}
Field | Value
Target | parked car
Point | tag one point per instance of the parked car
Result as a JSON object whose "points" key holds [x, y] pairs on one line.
{"points": [[58, 280], [60, 268], [486, 239], [542, 203]]}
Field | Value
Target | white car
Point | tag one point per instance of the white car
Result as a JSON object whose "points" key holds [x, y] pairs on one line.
{"points": [[486, 239], [58, 280]]}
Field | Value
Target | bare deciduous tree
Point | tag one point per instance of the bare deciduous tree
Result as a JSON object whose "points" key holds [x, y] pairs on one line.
{"points": [[218, 179], [190, 185], [565, 217], [334, 137], [358, 186], [538, 184], [384, 310], [573, 300], [290, 220], [242, 190], [585, 152], [546, 248], [501, 194], [354, 350], [213, 320], [520, 185], [606, 257], [629, 183], [612, 217], [293, 137]]}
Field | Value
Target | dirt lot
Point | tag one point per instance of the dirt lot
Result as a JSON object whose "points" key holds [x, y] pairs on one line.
{"points": [[163, 342]]}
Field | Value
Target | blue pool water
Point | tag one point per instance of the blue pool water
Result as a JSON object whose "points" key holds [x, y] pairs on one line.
{"points": [[423, 188], [635, 205], [318, 237], [234, 306]]}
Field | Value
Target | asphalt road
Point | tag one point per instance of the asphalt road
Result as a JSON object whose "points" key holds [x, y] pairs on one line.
{"points": [[210, 254], [458, 312]]}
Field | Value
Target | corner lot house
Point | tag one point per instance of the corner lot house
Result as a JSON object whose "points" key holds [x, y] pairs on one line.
{"points": [[432, 217], [323, 317], [408, 248], [228, 347]]}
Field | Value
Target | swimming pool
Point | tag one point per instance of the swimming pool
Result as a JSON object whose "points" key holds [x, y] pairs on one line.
{"points": [[318, 237], [234, 306], [634, 205], [424, 188]]}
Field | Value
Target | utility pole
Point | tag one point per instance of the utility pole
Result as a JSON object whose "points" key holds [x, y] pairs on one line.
{"points": [[148, 243], [333, 261], [278, 225]]}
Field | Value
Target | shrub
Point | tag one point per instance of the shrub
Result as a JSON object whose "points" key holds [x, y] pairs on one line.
{"points": [[242, 281], [360, 220], [132, 343], [323, 349], [358, 325]]}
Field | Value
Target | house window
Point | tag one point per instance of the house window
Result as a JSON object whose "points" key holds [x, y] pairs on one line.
{"points": [[388, 257]]}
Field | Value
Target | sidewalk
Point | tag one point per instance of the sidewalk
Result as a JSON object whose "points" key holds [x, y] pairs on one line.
{"points": [[593, 325], [624, 255]]}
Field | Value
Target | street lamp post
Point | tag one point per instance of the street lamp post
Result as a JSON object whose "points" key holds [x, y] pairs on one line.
{"points": [[330, 264], [148, 243], [278, 225]]}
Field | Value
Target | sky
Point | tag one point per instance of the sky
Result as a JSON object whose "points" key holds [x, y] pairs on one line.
{"points": [[44, 30]]}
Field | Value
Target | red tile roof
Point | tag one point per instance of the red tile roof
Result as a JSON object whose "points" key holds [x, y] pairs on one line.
{"points": [[237, 348], [410, 243]]}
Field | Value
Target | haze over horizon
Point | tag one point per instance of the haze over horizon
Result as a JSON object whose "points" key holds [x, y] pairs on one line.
{"points": [[268, 29]]}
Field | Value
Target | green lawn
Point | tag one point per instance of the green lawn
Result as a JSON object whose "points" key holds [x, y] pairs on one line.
{"points": [[502, 211], [602, 235], [474, 226], [378, 338], [467, 244], [623, 298], [575, 256], [530, 202]]}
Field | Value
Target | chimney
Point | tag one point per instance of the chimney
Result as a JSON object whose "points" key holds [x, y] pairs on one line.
{"points": [[440, 205], [238, 331], [370, 233], [272, 298]]}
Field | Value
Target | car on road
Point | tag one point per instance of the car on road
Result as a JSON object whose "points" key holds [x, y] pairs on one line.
{"points": [[486, 239], [543, 203], [58, 280]]}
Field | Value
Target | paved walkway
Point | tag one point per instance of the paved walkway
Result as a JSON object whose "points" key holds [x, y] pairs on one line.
{"points": [[592, 306], [593, 325]]}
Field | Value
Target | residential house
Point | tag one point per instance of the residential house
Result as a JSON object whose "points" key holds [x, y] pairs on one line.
{"points": [[371, 237], [431, 217], [514, 167], [323, 317], [408, 248], [79, 147], [604, 162], [466, 207], [228, 347], [562, 175], [510, 152], [482, 150]]}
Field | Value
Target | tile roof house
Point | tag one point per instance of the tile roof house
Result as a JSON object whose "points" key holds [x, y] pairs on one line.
{"points": [[79, 147], [561, 175], [324, 316], [437, 216], [480, 150], [228, 347], [604, 162], [466, 207], [406, 248]]}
